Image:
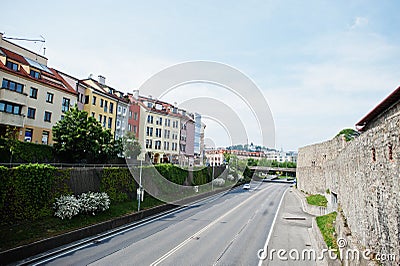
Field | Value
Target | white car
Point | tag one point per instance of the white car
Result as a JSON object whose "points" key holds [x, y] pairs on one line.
{"points": [[246, 186]]}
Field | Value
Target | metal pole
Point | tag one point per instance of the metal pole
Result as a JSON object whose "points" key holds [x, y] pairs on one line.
{"points": [[140, 184], [212, 177]]}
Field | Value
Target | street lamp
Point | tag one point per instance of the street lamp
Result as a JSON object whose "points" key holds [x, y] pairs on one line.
{"points": [[139, 190]]}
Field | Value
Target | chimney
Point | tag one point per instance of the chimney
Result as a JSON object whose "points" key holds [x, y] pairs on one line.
{"points": [[135, 94], [102, 80]]}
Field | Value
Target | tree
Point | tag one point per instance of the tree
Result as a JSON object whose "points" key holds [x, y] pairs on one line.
{"points": [[348, 133], [131, 146], [80, 138]]}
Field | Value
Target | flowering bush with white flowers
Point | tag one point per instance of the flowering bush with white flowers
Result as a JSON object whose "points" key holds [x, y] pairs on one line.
{"points": [[66, 206], [219, 182], [91, 202]]}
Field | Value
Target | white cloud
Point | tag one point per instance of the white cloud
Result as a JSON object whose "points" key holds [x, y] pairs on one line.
{"points": [[359, 22]]}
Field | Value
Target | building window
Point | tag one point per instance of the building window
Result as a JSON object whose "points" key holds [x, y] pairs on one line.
{"points": [[130, 127], [150, 119], [100, 118], [49, 97], [124, 112], [93, 114], [157, 145], [149, 131], [158, 132], [94, 100], [130, 114], [65, 105], [45, 137], [47, 116], [34, 74], [119, 110], [31, 113], [10, 108], [109, 122], [135, 116], [390, 152], [105, 106], [167, 122], [12, 86], [28, 135], [166, 133], [101, 103], [33, 93], [166, 145], [134, 128], [111, 110], [148, 144], [12, 65], [373, 155], [104, 121]]}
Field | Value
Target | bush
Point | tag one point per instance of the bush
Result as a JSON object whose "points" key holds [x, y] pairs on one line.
{"points": [[219, 182], [66, 206], [93, 202], [69, 206]]}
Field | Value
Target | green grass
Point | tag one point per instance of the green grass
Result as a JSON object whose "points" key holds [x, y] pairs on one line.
{"points": [[27, 232], [327, 228], [317, 200]]}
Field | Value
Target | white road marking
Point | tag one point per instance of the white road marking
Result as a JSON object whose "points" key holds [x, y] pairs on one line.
{"points": [[182, 244], [272, 226]]}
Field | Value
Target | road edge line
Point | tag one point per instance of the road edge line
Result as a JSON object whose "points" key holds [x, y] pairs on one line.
{"points": [[272, 227]]}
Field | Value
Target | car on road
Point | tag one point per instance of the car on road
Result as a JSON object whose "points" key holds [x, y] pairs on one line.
{"points": [[246, 186]]}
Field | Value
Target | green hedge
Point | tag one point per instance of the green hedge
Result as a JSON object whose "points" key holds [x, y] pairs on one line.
{"points": [[26, 152], [28, 191], [118, 183]]}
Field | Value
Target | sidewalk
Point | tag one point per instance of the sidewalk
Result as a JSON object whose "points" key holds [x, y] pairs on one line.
{"points": [[292, 233]]}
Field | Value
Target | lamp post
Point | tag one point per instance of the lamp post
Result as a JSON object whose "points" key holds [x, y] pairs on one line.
{"points": [[140, 191], [212, 177]]}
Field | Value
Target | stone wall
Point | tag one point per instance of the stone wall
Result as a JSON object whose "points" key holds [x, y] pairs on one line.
{"points": [[364, 175]]}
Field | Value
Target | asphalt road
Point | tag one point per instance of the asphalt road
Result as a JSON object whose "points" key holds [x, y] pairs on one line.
{"points": [[223, 230]]}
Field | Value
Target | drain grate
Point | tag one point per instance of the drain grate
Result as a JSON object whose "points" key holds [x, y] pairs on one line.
{"points": [[295, 218]]}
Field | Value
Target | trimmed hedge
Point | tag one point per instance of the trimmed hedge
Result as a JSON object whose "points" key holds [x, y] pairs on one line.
{"points": [[28, 191], [25, 152], [118, 183]]}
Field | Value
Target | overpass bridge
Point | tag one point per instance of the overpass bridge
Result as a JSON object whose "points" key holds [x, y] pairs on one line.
{"points": [[272, 169]]}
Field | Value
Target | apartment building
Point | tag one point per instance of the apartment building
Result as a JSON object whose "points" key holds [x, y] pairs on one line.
{"points": [[159, 133], [33, 97], [187, 136], [134, 114]]}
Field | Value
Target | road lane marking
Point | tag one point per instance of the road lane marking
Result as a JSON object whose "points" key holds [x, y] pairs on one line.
{"points": [[81, 244], [272, 226], [198, 233]]}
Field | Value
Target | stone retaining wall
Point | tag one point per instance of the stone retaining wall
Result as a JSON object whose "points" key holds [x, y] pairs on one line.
{"points": [[363, 177]]}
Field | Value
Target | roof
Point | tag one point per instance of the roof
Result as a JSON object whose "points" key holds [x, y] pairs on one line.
{"points": [[379, 109], [51, 73], [105, 89]]}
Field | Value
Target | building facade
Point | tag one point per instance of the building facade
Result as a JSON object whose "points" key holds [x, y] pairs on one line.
{"points": [[33, 97], [186, 141], [159, 131]]}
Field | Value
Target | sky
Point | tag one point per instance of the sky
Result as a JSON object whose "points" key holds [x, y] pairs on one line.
{"points": [[320, 65]]}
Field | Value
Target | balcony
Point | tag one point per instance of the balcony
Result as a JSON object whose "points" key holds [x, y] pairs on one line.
{"points": [[11, 119], [13, 96]]}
